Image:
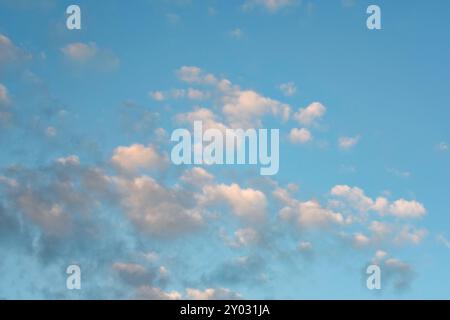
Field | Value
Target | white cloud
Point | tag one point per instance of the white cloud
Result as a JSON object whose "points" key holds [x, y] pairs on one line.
{"points": [[407, 209], [288, 89], [9, 53], [196, 94], [206, 116], [356, 199], [157, 210], [300, 135], [244, 109], [153, 293], [136, 157], [80, 52], [246, 237], [157, 95], [236, 33], [241, 108], [89, 53], [249, 204], [360, 240], [212, 294], [354, 196], [346, 143], [197, 177], [309, 115], [71, 160], [4, 98], [311, 214], [410, 235]]}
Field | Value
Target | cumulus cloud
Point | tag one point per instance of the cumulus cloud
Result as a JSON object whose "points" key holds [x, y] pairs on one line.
{"points": [[244, 238], [300, 135], [357, 200], [310, 214], [249, 204], [410, 235], [157, 95], [240, 108], [243, 107], [407, 209], [311, 114], [4, 98], [197, 177], [154, 293], [137, 156], [346, 143], [157, 210], [10, 53], [90, 54], [212, 294], [354, 196], [208, 118]]}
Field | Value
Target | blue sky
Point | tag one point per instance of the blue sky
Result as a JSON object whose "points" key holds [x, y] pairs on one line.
{"points": [[86, 178]]}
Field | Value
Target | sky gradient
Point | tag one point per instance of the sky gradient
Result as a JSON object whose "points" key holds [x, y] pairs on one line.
{"points": [[86, 176]]}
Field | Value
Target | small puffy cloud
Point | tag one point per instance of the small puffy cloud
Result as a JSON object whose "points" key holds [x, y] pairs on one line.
{"points": [[154, 293], [80, 52], [51, 132], [305, 246], [360, 240], [309, 115], [157, 95], [212, 294], [157, 210], [197, 177], [133, 274], [71, 160], [206, 116], [137, 156], [244, 108], [442, 146], [310, 214], [195, 94], [346, 143], [300, 135], [9, 53], [240, 108], [4, 98], [245, 237], [380, 230], [249, 204], [357, 200], [236, 33], [90, 54], [354, 196], [269, 5], [289, 89], [191, 74], [410, 235], [407, 209]]}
